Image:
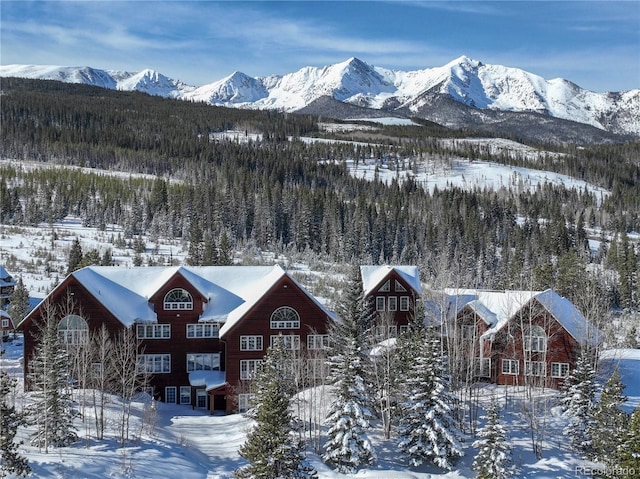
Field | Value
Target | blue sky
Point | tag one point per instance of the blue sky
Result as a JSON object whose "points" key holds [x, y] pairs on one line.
{"points": [[595, 44]]}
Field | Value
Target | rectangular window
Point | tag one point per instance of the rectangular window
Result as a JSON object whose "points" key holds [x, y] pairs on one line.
{"points": [[203, 330], [404, 303], [535, 368], [97, 371], [5, 323], [404, 328], [203, 362], [249, 367], [535, 344], [483, 367], [289, 341], [392, 303], [170, 394], [251, 343], [317, 341], [243, 402], [155, 363], [559, 370], [379, 303], [153, 331], [185, 394], [510, 366]]}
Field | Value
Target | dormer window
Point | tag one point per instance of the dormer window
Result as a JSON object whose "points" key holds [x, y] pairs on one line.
{"points": [[178, 300]]}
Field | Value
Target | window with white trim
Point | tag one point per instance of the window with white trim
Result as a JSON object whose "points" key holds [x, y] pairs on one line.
{"points": [[249, 367], [483, 367], [185, 394], [559, 370], [178, 299], [288, 341], [317, 341], [399, 287], [203, 362], [535, 340], [73, 329], [251, 343], [535, 368], [404, 328], [380, 302], [392, 303], [510, 366], [96, 371], [203, 330], [155, 363], [244, 400], [153, 331], [404, 303], [380, 333], [285, 318], [5, 323], [170, 394], [385, 287]]}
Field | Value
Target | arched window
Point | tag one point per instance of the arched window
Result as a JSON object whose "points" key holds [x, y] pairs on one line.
{"points": [[178, 299], [73, 329], [535, 340], [285, 318]]}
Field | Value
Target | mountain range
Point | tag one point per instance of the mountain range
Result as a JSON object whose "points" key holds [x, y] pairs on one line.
{"points": [[464, 93]]}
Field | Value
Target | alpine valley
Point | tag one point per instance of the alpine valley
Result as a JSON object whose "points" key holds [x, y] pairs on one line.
{"points": [[463, 94]]}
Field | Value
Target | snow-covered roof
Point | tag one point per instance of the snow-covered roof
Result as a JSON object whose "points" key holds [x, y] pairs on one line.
{"points": [[5, 278], [209, 379], [229, 291], [496, 308], [373, 275]]}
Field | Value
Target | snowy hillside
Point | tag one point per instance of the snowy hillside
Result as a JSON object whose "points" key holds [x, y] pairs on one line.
{"points": [[466, 81]]}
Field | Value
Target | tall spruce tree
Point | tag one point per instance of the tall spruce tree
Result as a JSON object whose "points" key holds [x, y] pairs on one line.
{"points": [[578, 401], [75, 256], [348, 446], [19, 302], [11, 461], [427, 430], [609, 421], [493, 460], [52, 410], [274, 447], [628, 454]]}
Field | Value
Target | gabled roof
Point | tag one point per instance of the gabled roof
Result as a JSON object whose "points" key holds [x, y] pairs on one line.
{"points": [[496, 308], [229, 291], [373, 275]]}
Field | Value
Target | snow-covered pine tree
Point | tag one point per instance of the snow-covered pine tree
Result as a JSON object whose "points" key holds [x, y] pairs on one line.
{"points": [[578, 401], [609, 421], [11, 461], [493, 460], [52, 410], [348, 445], [628, 455], [427, 430], [274, 447], [19, 302]]}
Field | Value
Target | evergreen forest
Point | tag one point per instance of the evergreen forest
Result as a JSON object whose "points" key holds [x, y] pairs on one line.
{"points": [[277, 193]]}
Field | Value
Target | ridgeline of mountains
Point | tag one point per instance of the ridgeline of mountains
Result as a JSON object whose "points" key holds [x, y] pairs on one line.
{"points": [[464, 93]]}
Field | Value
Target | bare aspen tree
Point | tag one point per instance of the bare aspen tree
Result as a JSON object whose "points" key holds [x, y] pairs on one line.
{"points": [[101, 376]]}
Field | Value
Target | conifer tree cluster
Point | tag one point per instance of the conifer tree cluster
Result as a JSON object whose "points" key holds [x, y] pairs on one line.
{"points": [[11, 461], [493, 460]]}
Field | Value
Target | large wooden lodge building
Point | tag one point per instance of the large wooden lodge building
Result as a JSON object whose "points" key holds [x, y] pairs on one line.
{"points": [[204, 330]]}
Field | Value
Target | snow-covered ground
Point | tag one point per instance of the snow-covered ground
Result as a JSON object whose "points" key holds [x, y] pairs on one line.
{"points": [[181, 442]]}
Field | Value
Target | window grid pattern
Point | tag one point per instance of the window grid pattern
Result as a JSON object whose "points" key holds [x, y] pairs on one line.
{"points": [[155, 363], [535, 340], [510, 366], [203, 330], [73, 329], [317, 341], [288, 341], [251, 343], [153, 331], [404, 303], [285, 318], [185, 394], [178, 299], [559, 370], [203, 362], [535, 368], [170, 394], [249, 368]]}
